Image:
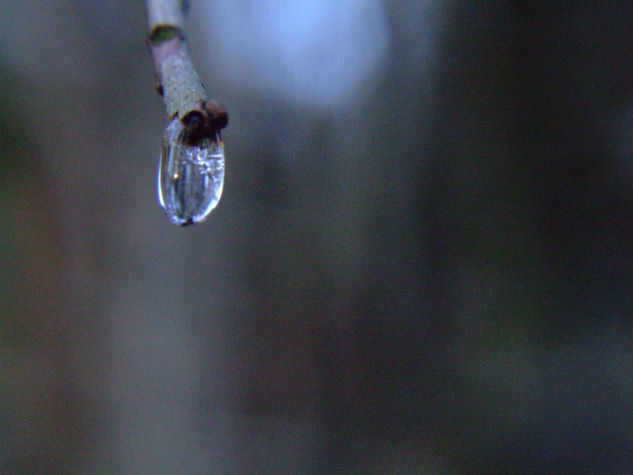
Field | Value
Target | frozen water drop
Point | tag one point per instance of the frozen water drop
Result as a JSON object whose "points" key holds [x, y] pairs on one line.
{"points": [[190, 176]]}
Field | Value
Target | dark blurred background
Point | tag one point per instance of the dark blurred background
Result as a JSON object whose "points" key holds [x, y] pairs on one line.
{"points": [[422, 261]]}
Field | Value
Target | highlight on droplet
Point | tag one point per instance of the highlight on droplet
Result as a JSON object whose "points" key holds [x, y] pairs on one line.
{"points": [[190, 175]]}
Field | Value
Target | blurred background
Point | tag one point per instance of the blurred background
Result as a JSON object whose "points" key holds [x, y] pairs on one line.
{"points": [[422, 261]]}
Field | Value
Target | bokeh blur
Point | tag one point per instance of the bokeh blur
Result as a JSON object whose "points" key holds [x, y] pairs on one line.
{"points": [[422, 261]]}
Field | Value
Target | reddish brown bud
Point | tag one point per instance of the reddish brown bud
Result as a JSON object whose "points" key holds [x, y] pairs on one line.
{"points": [[219, 116]]}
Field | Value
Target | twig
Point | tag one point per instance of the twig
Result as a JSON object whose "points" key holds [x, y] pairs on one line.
{"points": [[178, 82]]}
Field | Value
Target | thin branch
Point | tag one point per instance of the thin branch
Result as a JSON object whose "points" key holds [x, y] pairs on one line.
{"points": [[165, 12], [178, 82]]}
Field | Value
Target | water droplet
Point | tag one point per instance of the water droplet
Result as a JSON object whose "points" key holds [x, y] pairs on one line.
{"points": [[190, 177]]}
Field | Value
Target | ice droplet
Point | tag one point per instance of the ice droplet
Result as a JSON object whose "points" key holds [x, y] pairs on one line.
{"points": [[190, 177]]}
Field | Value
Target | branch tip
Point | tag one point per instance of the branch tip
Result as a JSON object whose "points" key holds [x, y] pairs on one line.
{"points": [[177, 80], [202, 124]]}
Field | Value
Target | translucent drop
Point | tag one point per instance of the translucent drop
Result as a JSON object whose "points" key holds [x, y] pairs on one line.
{"points": [[190, 177]]}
